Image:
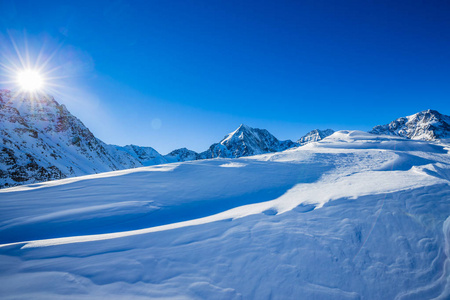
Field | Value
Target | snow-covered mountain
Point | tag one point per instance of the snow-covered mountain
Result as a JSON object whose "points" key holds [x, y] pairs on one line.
{"points": [[147, 156], [182, 154], [354, 216], [315, 136], [41, 140], [246, 141], [426, 125]]}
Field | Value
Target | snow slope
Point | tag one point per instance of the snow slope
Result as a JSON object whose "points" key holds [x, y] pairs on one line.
{"points": [[354, 216]]}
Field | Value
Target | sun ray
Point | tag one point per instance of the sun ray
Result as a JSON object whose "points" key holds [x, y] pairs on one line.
{"points": [[16, 49], [50, 57], [28, 69], [27, 53]]}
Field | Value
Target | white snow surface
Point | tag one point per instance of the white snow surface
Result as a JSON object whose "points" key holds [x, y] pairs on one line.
{"points": [[354, 216]]}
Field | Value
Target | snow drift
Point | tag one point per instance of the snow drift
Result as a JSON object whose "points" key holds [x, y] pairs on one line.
{"points": [[354, 216]]}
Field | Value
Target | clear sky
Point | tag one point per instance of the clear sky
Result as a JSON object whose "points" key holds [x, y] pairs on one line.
{"points": [[171, 74]]}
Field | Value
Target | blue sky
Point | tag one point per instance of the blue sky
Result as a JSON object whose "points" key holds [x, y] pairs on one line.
{"points": [[171, 74]]}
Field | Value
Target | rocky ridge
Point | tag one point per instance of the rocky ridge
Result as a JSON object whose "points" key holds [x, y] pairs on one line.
{"points": [[427, 125], [315, 136]]}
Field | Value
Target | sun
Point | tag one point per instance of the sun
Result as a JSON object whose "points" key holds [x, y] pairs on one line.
{"points": [[30, 80]]}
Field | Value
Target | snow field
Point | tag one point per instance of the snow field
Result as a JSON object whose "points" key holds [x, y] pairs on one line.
{"points": [[355, 216]]}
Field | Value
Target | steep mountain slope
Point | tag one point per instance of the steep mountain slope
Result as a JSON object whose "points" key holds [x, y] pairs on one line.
{"points": [[355, 216], [314, 136], [42, 141], [246, 141], [426, 125]]}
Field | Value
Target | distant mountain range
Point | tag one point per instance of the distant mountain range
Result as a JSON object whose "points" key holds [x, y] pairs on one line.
{"points": [[41, 140]]}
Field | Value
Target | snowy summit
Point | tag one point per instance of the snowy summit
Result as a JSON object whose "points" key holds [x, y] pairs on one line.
{"points": [[426, 125], [315, 136], [246, 141]]}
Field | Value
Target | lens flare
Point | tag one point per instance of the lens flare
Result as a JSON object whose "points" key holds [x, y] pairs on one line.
{"points": [[35, 67], [30, 80]]}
